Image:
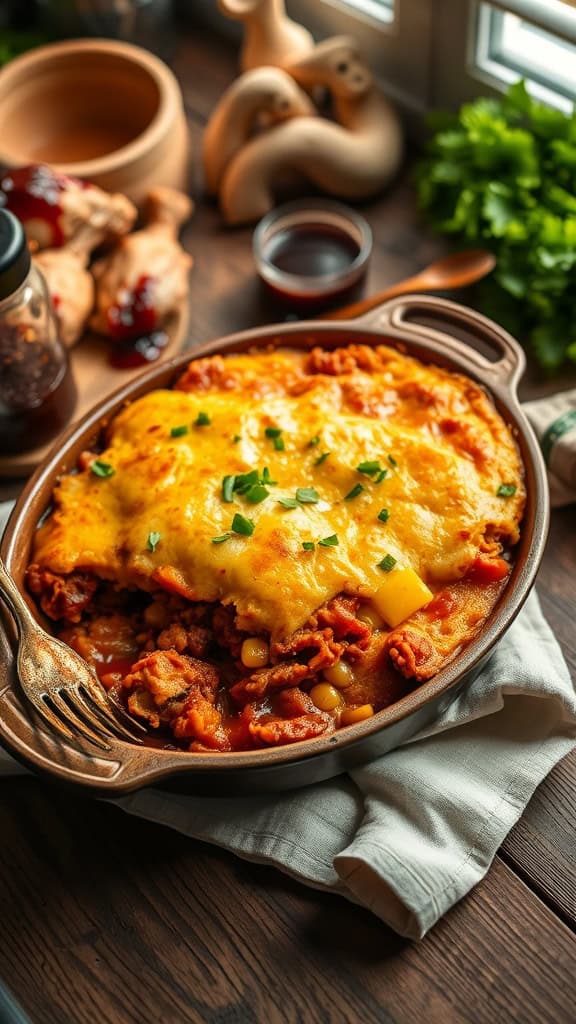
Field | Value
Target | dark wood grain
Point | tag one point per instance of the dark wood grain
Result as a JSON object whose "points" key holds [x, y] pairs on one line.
{"points": [[110, 919]]}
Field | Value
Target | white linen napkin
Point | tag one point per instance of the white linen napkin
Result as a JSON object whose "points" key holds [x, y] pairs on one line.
{"points": [[411, 833]]}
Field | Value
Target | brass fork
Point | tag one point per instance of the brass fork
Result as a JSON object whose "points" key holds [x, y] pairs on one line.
{"points": [[58, 683]]}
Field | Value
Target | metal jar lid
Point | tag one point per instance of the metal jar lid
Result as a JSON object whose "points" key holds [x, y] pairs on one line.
{"points": [[14, 254]]}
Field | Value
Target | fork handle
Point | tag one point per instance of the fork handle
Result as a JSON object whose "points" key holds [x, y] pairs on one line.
{"points": [[16, 603]]}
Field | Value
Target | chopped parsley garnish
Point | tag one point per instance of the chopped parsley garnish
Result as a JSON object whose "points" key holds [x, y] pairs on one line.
{"points": [[383, 515], [387, 563], [354, 492], [179, 431], [506, 490], [228, 484], [370, 468], [314, 441], [321, 458], [221, 539], [153, 539], [288, 502], [381, 476], [308, 545], [266, 478], [243, 526], [236, 438], [329, 542], [103, 469], [256, 494], [307, 496], [273, 432], [244, 481], [278, 443], [392, 461], [202, 420]]}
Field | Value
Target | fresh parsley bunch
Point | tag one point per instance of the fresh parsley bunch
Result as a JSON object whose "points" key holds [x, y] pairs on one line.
{"points": [[502, 174]]}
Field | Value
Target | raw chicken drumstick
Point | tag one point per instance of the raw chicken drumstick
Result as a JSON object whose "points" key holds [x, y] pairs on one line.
{"points": [[145, 278]]}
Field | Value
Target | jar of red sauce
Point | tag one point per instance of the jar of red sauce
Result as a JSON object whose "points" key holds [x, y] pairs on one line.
{"points": [[37, 393]]}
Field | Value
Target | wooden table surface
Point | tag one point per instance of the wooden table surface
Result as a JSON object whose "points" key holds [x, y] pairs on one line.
{"points": [[106, 918]]}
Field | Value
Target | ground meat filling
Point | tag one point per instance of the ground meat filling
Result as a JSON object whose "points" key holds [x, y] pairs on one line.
{"points": [[62, 597]]}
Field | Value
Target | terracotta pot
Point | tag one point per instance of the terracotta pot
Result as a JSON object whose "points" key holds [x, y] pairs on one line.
{"points": [[425, 327], [105, 111]]}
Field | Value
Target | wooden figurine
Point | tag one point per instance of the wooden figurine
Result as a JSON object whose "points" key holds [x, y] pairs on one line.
{"points": [[352, 159], [264, 93], [270, 36]]}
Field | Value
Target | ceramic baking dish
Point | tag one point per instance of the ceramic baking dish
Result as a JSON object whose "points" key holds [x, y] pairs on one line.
{"points": [[435, 331]]}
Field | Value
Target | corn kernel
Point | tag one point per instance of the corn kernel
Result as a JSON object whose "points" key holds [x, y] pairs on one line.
{"points": [[400, 594], [340, 675], [351, 715], [254, 652], [325, 697], [369, 615]]}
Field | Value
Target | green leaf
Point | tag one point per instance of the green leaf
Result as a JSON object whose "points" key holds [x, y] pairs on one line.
{"points": [[307, 496], [202, 420], [387, 563], [241, 525], [328, 542], [153, 539], [256, 494], [288, 502], [102, 469]]}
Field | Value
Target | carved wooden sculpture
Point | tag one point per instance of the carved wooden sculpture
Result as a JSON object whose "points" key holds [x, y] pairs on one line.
{"points": [[352, 159], [266, 92], [270, 36]]}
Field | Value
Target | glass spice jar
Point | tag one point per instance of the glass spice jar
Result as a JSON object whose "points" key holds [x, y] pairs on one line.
{"points": [[37, 393]]}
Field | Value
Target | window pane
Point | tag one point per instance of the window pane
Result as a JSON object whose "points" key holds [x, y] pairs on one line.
{"points": [[381, 10], [508, 46]]}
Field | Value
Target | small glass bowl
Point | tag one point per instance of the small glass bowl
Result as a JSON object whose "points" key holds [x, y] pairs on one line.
{"points": [[312, 251]]}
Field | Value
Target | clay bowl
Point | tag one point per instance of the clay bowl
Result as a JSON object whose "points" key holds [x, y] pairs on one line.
{"points": [[105, 111], [428, 328]]}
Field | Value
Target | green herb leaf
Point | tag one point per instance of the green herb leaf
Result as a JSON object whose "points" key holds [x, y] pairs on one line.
{"points": [[329, 542], [321, 458], [179, 431], [370, 468], [102, 469], [506, 490], [383, 515], [354, 492], [256, 494], [220, 540], [153, 539], [236, 438], [244, 481], [381, 476], [392, 461], [267, 479], [273, 431], [243, 526], [288, 502], [307, 496], [202, 420], [228, 484], [278, 443], [308, 545], [314, 441], [387, 563]]}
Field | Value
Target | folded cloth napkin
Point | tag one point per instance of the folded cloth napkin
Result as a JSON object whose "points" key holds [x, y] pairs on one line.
{"points": [[553, 420], [412, 832]]}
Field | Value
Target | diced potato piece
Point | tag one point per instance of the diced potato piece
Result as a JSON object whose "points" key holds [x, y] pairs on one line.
{"points": [[401, 593]]}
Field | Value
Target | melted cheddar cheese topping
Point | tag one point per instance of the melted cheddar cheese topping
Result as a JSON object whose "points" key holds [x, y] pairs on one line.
{"points": [[445, 449]]}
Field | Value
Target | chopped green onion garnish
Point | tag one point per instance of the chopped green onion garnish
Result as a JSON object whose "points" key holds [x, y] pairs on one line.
{"points": [[266, 478], [202, 420], [312, 442], [392, 461], [383, 515], [245, 481], [236, 438], [179, 431], [387, 563], [288, 502], [153, 539], [278, 443], [256, 494], [381, 476], [329, 542], [307, 495], [369, 468], [321, 458], [228, 484], [243, 526], [308, 545], [354, 492], [221, 539], [273, 431], [102, 468], [506, 490]]}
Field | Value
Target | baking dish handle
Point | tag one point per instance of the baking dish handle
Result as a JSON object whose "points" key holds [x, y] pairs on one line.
{"points": [[508, 361]]}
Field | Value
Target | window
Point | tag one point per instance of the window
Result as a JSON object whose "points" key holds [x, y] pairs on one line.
{"points": [[378, 10]]}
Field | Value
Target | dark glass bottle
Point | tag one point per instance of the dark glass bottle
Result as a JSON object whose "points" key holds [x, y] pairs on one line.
{"points": [[37, 393]]}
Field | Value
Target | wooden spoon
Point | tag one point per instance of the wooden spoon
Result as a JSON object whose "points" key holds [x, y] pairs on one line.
{"points": [[454, 271]]}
